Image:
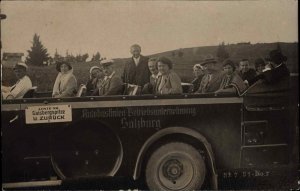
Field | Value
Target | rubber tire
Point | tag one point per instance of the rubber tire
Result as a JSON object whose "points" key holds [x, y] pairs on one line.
{"points": [[175, 150]]}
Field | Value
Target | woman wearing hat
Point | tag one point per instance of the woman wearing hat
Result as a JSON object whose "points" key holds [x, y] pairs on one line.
{"points": [[198, 73], [231, 81], [168, 82], [65, 84], [96, 77]]}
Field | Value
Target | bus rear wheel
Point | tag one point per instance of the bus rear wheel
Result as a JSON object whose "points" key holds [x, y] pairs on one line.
{"points": [[175, 166]]}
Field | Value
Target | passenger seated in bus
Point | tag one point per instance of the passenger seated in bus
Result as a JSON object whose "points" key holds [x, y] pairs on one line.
{"points": [[96, 77], [111, 84], [65, 84], [231, 81], [245, 72], [198, 74], [149, 87], [279, 71], [168, 82], [259, 65], [212, 79], [23, 84]]}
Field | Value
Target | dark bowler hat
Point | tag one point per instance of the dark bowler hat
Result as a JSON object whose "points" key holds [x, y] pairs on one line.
{"points": [[277, 57], [106, 62], [229, 62], [208, 61], [59, 63]]}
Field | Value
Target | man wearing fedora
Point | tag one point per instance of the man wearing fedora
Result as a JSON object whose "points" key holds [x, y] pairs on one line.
{"points": [[112, 84], [136, 71], [212, 79], [23, 84], [277, 73]]}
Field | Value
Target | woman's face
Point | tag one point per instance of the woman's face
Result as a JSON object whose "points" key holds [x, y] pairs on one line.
{"points": [[260, 68], [197, 72], [163, 68], [64, 68], [228, 69], [97, 73]]}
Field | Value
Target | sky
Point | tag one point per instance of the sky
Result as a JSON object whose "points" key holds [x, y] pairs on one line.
{"points": [[111, 27]]}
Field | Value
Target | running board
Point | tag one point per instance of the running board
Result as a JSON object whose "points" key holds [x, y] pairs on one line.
{"points": [[32, 184]]}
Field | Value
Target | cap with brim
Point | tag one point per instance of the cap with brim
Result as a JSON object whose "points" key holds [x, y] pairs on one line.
{"points": [[208, 61], [106, 62], [20, 64], [58, 64]]}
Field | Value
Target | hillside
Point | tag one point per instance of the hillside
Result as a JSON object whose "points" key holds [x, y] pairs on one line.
{"points": [[44, 77]]}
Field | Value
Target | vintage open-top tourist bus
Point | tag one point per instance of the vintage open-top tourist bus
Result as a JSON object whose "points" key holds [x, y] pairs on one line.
{"points": [[173, 142]]}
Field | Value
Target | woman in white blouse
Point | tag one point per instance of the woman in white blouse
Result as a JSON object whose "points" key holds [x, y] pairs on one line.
{"points": [[65, 84]]}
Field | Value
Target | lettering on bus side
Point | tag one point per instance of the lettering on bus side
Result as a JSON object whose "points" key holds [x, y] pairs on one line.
{"points": [[138, 117]]}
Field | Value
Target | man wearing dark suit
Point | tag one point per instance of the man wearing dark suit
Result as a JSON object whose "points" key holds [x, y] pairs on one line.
{"points": [[112, 84], [246, 73], [136, 71], [278, 73]]}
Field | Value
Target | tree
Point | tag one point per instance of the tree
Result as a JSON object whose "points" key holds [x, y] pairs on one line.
{"points": [[84, 57], [57, 57], [180, 53], [97, 56], [38, 54], [222, 54]]}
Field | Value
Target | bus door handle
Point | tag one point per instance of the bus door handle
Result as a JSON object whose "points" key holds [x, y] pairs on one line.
{"points": [[13, 119]]}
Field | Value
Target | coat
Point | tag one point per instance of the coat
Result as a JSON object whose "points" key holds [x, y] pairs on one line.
{"points": [[213, 85], [250, 74], [65, 85], [168, 84], [272, 76], [233, 80], [113, 85], [196, 83], [137, 75]]}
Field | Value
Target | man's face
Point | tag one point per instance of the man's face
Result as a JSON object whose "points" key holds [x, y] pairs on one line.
{"points": [[107, 70], [135, 51], [20, 72], [209, 67], [152, 67], [244, 66], [228, 69]]}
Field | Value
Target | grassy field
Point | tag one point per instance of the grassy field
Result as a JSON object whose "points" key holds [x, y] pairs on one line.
{"points": [[44, 77]]}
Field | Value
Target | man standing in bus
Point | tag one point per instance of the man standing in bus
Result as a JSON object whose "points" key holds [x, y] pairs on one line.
{"points": [[136, 70]]}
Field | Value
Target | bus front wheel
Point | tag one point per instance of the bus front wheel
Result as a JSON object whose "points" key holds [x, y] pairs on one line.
{"points": [[175, 166]]}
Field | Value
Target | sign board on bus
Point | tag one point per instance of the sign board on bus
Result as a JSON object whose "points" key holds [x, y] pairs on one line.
{"points": [[48, 114]]}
